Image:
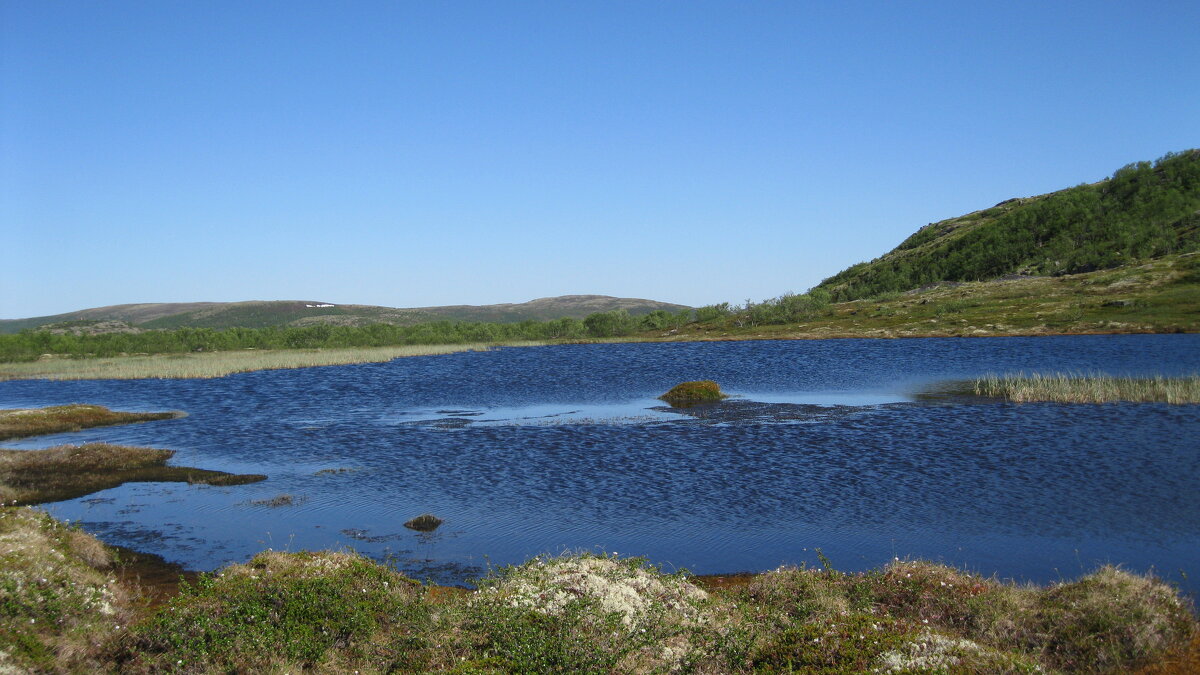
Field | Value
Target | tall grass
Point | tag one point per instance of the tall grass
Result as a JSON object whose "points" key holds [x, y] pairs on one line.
{"points": [[213, 364], [1080, 388]]}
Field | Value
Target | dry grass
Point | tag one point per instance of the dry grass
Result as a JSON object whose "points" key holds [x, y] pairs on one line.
{"points": [[56, 419], [1063, 388], [69, 471], [212, 364]]}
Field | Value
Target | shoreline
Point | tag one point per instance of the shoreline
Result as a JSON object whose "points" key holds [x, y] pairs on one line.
{"points": [[332, 610], [194, 366]]}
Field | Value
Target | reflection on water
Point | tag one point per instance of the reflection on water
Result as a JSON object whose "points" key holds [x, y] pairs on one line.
{"points": [[523, 451]]}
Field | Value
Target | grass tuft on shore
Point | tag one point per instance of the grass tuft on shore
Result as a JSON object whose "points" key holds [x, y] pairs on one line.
{"points": [[70, 471], [17, 423], [1067, 388], [212, 364]]}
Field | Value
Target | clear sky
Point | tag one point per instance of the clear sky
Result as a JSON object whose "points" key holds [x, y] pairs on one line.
{"points": [[426, 153]]}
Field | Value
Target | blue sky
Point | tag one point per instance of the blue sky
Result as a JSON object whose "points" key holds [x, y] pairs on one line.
{"points": [[428, 153]]}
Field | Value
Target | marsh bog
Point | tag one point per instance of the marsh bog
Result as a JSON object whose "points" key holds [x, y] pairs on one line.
{"points": [[521, 451]]}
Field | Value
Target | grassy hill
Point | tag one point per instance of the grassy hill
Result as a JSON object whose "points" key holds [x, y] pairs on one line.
{"points": [[1118, 256], [263, 314], [1155, 296], [1145, 210]]}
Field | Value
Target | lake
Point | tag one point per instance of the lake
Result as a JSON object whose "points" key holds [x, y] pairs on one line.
{"points": [[826, 444]]}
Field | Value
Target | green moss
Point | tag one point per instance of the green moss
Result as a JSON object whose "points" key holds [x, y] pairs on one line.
{"points": [[697, 391]]}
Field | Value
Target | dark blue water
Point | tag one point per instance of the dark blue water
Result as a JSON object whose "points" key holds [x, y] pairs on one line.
{"points": [[530, 450]]}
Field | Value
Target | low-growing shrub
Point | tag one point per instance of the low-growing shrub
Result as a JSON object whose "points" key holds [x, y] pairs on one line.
{"points": [[320, 611]]}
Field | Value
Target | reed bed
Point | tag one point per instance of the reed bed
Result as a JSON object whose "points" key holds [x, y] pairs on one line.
{"points": [[213, 364], [1082, 388]]}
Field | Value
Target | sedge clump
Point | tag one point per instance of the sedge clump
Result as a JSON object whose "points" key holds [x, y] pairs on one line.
{"points": [[697, 391]]}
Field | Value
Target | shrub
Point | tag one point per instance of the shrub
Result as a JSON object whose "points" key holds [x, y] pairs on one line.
{"points": [[325, 610]]}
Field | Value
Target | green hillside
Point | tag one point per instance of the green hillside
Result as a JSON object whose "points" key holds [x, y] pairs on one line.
{"points": [[1145, 210]]}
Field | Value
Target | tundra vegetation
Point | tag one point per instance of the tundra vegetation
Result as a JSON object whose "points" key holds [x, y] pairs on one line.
{"points": [[67, 610], [1067, 388], [70, 471]]}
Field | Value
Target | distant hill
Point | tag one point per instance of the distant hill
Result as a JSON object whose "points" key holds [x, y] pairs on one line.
{"points": [[1144, 211], [261, 314]]}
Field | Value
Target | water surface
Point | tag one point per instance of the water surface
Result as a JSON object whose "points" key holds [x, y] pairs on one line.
{"points": [[530, 450]]}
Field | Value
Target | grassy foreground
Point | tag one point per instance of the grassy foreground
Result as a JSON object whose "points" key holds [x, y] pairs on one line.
{"points": [[17, 423], [212, 364], [1090, 388], [65, 610]]}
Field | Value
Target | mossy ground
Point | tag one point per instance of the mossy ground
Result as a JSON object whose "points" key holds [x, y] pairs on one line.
{"points": [[341, 613]]}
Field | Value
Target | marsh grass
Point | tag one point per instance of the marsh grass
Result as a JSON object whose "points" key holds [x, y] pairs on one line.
{"points": [[56, 419], [213, 364], [1069, 388], [70, 471]]}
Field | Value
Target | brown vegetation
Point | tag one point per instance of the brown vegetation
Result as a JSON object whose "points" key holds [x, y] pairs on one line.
{"points": [[70, 471], [56, 419]]}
